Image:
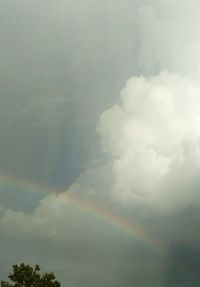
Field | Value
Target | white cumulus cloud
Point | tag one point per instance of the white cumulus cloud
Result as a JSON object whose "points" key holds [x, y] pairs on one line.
{"points": [[153, 140]]}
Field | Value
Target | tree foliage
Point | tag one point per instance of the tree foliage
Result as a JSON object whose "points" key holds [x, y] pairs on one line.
{"points": [[26, 276]]}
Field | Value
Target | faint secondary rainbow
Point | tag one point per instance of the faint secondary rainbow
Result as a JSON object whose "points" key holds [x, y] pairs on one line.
{"points": [[131, 228]]}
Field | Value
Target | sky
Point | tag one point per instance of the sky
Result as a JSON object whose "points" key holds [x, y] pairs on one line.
{"points": [[100, 140]]}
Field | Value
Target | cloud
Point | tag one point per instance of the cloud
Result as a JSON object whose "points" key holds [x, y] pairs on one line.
{"points": [[55, 215], [47, 220], [153, 140], [77, 246]]}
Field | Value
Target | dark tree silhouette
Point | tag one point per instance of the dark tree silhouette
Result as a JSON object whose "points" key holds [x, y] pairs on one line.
{"points": [[26, 276]]}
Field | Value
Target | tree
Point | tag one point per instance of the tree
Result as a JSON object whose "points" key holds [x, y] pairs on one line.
{"points": [[26, 276]]}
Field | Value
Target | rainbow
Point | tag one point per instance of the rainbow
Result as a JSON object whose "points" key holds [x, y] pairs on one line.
{"points": [[130, 228]]}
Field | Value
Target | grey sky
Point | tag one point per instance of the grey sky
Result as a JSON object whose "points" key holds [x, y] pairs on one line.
{"points": [[60, 49], [64, 123]]}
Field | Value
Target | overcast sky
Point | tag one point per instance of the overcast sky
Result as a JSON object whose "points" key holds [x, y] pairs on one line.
{"points": [[101, 100]]}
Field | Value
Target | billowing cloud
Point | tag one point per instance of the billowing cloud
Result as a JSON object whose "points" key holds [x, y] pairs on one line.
{"points": [[153, 140]]}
